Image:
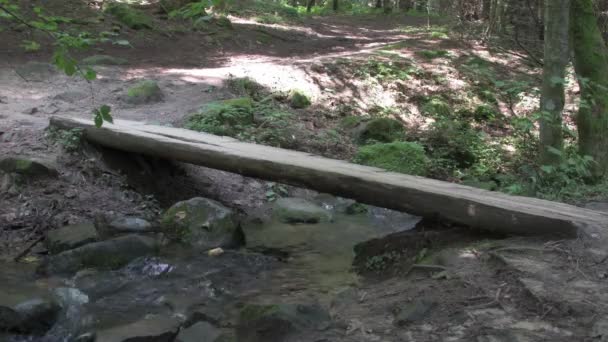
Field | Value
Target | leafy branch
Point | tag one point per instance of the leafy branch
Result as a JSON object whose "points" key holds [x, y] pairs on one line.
{"points": [[64, 44]]}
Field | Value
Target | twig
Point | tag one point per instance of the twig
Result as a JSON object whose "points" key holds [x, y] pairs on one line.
{"points": [[28, 248]]}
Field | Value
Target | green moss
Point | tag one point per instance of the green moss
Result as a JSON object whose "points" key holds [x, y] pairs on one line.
{"points": [[433, 54], [381, 130], [297, 99], [254, 312], [436, 107], [129, 16], [439, 35], [403, 157], [144, 92]]}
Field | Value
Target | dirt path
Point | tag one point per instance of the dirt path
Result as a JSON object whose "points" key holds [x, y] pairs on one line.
{"points": [[512, 290]]}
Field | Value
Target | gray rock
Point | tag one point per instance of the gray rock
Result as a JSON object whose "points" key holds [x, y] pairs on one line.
{"points": [[299, 210], [27, 166], [109, 254], [38, 315], [9, 319], [505, 336], [122, 225], [413, 312], [86, 337], [104, 60], [262, 323], [36, 71], [69, 297], [70, 237], [149, 329], [201, 331], [600, 330], [202, 223]]}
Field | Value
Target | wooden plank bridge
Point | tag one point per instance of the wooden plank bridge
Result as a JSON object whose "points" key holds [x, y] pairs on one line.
{"points": [[460, 204]]}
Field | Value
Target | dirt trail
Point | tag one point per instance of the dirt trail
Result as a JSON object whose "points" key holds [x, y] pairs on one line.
{"points": [[511, 290]]}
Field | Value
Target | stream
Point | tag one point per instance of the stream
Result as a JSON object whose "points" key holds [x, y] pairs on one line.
{"points": [[282, 263]]}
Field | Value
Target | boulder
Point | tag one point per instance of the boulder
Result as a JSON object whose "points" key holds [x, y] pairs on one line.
{"points": [[70, 237], [153, 328], [202, 223], [129, 16], [298, 100], [144, 92], [37, 315], [299, 210], [109, 254], [263, 323], [27, 166], [201, 331], [9, 319]]}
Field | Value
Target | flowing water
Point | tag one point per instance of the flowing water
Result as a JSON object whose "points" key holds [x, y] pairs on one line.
{"points": [[315, 264]]}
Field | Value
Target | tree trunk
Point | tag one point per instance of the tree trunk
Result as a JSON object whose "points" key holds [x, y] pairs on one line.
{"points": [[387, 6], [335, 5], [591, 65], [309, 6], [378, 3], [405, 5], [552, 101]]}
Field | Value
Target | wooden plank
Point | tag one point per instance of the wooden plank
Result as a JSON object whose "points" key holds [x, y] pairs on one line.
{"points": [[416, 195]]}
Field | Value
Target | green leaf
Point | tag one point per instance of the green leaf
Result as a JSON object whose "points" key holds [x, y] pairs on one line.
{"points": [[90, 74], [98, 119], [104, 111], [547, 168]]}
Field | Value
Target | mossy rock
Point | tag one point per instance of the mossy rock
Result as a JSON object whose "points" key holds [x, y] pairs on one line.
{"points": [[298, 100], [201, 222], [104, 60], [403, 157], [129, 16], [169, 6], [264, 323], [109, 254], [350, 122], [228, 117], [70, 237], [436, 107], [144, 92], [27, 166], [380, 130], [299, 210]]}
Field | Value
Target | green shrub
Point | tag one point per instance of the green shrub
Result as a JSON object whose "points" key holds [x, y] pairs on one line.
{"points": [[403, 157], [451, 145], [227, 117], [298, 99], [131, 17], [433, 54], [246, 86], [381, 130], [436, 107]]}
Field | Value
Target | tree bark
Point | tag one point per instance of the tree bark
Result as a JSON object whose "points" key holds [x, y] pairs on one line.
{"points": [[309, 6], [557, 55], [335, 5], [591, 65]]}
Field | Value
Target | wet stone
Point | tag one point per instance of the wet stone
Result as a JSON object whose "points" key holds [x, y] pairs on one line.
{"points": [[112, 226], [201, 331], [600, 330], [9, 319], [262, 323], [299, 210], [37, 315], [109, 254], [70, 237], [155, 328]]}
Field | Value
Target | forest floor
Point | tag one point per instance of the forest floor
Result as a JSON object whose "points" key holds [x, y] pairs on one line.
{"points": [[475, 288]]}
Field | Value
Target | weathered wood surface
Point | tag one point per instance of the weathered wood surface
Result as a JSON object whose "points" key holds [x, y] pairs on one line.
{"points": [[416, 195]]}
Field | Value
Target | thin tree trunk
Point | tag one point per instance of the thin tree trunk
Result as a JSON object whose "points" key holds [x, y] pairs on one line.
{"points": [[335, 5], [557, 13], [591, 65], [309, 6]]}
